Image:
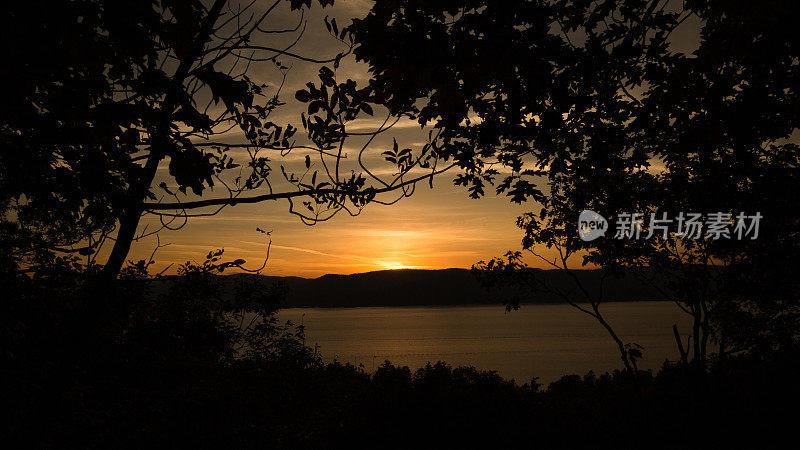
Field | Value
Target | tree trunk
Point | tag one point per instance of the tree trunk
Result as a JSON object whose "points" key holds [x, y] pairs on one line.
{"points": [[129, 221], [704, 341], [684, 357], [696, 333], [620, 345]]}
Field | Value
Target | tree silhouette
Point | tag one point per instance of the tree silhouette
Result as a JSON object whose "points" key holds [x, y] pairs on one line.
{"points": [[103, 92], [593, 105]]}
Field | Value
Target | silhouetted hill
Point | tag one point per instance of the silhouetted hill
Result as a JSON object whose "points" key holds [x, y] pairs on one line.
{"points": [[446, 287]]}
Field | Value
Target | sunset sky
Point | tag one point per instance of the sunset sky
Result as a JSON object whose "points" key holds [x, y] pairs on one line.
{"points": [[434, 228]]}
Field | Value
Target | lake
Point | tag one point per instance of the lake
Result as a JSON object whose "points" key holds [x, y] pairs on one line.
{"points": [[546, 341]]}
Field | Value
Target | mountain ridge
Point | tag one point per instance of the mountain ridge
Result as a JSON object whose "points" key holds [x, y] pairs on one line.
{"points": [[443, 287]]}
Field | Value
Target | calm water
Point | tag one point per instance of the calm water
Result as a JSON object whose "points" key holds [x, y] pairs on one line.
{"points": [[546, 341]]}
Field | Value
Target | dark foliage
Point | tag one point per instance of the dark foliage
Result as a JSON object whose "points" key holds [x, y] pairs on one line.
{"points": [[118, 365], [579, 105]]}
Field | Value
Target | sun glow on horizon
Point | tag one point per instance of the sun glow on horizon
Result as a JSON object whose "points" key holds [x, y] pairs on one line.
{"points": [[394, 265]]}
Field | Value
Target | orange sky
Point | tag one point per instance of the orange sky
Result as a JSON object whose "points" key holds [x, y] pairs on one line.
{"points": [[435, 228]]}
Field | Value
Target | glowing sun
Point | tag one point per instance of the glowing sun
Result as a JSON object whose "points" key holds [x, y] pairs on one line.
{"points": [[393, 265]]}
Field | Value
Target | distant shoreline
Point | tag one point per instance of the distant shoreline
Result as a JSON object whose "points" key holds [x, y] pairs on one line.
{"points": [[493, 305], [444, 288]]}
